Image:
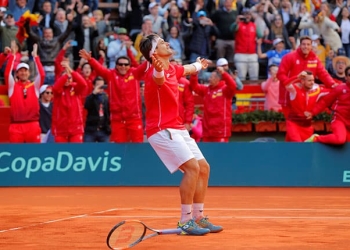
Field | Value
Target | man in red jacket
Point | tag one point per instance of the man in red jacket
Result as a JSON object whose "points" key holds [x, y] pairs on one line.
{"points": [[124, 96], [24, 98], [67, 113], [303, 94], [294, 63], [217, 97], [340, 96]]}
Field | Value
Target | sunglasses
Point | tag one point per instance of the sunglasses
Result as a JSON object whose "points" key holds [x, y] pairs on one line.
{"points": [[123, 64], [49, 93]]}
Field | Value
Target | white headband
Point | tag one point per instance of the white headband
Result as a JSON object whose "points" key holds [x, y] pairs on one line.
{"points": [[154, 45]]}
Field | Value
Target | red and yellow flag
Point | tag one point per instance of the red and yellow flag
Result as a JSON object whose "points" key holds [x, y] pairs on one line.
{"points": [[33, 21]]}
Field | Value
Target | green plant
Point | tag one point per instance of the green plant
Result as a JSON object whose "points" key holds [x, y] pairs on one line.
{"points": [[325, 116], [244, 116]]}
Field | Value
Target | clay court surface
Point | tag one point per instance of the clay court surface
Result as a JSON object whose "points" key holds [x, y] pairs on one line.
{"points": [[253, 218]]}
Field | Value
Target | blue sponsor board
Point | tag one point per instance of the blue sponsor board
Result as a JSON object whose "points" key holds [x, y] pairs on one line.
{"points": [[232, 164]]}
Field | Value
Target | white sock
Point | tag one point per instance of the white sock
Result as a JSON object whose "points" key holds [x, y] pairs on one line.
{"points": [[198, 210], [186, 213]]}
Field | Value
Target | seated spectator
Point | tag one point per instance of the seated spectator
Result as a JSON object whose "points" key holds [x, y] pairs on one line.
{"points": [[47, 17], [217, 112], [146, 29], [23, 95], [117, 48], [176, 43], [45, 102], [67, 114], [271, 89], [97, 125], [340, 63]]}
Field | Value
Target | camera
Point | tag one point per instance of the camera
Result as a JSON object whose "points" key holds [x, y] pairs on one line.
{"points": [[243, 19]]}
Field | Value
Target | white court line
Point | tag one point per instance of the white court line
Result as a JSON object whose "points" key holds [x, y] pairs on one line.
{"points": [[207, 209], [227, 217]]}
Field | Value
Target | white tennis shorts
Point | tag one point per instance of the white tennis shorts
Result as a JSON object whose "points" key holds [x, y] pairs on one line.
{"points": [[174, 147]]}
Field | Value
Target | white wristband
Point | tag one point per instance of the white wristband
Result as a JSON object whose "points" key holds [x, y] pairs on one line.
{"points": [[157, 74], [197, 65]]}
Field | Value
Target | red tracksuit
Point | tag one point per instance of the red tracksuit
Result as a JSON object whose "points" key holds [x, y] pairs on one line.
{"points": [[186, 101], [294, 63], [24, 105], [67, 112], [217, 113], [125, 101], [299, 128], [339, 98]]}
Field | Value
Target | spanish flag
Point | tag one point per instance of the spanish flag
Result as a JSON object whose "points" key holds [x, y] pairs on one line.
{"points": [[33, 21]]}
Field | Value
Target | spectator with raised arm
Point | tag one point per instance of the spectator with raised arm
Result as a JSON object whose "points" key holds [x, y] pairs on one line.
{"points": [[217, 98], [124, 96], [18, 7], [271, 89], [24, 98], [67, 113]]}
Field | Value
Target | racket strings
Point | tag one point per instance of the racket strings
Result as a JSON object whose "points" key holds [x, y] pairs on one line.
{"points": [[126, 234]]}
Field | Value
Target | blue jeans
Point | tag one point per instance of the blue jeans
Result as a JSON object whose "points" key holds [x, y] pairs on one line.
{"points": [[97, 136], [49, 78], [347, 49]]}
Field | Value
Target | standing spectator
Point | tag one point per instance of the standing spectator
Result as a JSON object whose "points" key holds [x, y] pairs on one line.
{"points": [[225, 39], [24, 98], [246, 58], [319, 49], [303, 93], [339, 100], [124, 97], [49, 46], [343, 21], [45, 102], [47, 15], [67, 113], [159, 23], [117, 48], [9, 31], [217, 99], [97, 126], [176, 43], [294, 63], [146, 29], [271, 89], [200, 42], [275, 55], [18, 7], [325, 27]]}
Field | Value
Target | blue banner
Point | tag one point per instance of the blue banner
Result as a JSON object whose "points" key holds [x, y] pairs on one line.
{"points": [[232, 164]]}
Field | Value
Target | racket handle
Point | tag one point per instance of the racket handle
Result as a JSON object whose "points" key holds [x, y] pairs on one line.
{"points": [[170, 231]]}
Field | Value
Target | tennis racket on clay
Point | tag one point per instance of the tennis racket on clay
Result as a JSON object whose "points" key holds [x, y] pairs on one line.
{"points": [[129, 233]]}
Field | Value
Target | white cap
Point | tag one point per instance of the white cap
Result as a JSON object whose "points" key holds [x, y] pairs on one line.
{"points": [[221, 62], [3, 9], [22, 65], [151, 5], [277, 41], [43, 88], [315, 37]]}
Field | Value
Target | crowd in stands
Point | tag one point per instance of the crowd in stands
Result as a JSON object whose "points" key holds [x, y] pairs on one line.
{"points": [[78, 56]]}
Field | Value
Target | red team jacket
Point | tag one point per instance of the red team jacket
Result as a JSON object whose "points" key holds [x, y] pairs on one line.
{"points": [[294, 63], [186, 101], [123, 91], [67, 113], [217, 115], [339, 98], [24, 97]]}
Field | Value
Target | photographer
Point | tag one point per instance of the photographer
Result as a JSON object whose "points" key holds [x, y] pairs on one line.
{"points": [[97, 125], [246, 58]]}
